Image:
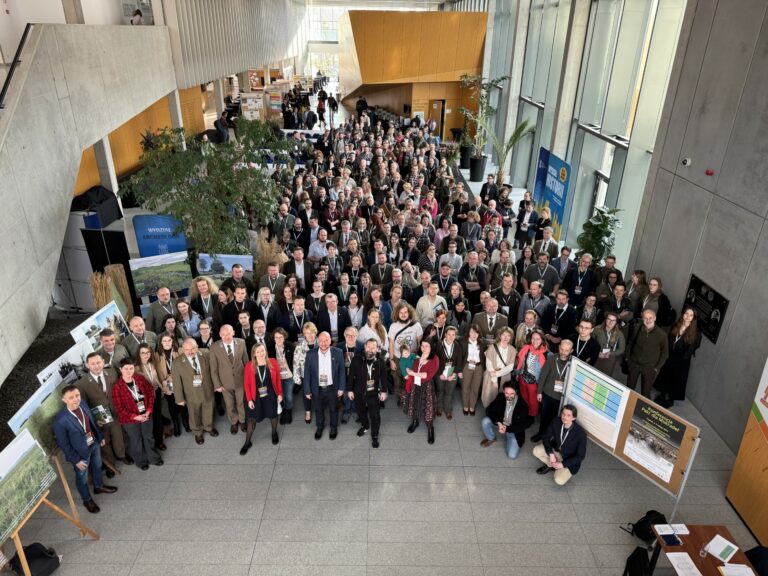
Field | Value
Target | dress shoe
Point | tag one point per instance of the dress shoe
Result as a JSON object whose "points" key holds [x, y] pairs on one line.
{"points": [[471, 412], [213, 432], [127, 459], [308, 419], [90, 505], [449, 415], [243, 428], [361, 432], [536, 438], [145, 467], [318, 433], [275, 438], [431, 435], [413, 426], [288, 417], [160, 462], [344, 418], [187, 428], [199, 439], [177, 432], [105, 490], [465, 411], [244, 449], [162, 447], [333, 434], [375, 442], [543, 469], [439, 413], [234, 429], [485, 443], [107, 472], [665, 402], [283, 417]]}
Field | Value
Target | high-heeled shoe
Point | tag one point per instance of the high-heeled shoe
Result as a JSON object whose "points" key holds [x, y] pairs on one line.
{"points": [[308, 419]]}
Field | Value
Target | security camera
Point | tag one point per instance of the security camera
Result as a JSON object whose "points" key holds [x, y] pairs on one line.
{"points": [[687, 162]]}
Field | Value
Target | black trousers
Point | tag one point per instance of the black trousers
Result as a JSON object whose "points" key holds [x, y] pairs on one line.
{"points": [[547, 412], [157, 417], [326, 398], [368, 411]]}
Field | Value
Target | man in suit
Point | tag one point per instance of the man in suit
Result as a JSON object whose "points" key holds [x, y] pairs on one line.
{"points": [[381, 272], [111, 352], [96, 388], [79, 439], [507, 413], [507, 297], [273, 280], [266, 310], [259, 335], [343, 236], [491, 322], [533, 300], [546, 244], [563, 264], [240, 304], [159, 309], [580, 281], [332, 319], [559, 321], [227, 358], [368, 387], [239, 277], [138, 335], [193, 388], [489, 191], [299, 268], [325, 380], [564, 447]]}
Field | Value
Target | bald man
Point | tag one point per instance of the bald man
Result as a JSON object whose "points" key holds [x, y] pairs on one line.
{"points": [[228, 357]]}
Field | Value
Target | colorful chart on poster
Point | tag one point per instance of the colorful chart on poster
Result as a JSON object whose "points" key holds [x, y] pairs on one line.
{"points": [[600, 400]]}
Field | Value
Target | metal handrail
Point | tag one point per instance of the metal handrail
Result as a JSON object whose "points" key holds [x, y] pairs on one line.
{"points": [[16, 61]]}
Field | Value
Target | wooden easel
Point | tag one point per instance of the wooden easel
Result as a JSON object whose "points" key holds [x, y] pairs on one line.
{"points": [[74, 517]]}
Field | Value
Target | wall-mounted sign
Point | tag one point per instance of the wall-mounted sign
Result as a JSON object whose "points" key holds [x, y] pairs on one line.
{"points": [[710, 307]]}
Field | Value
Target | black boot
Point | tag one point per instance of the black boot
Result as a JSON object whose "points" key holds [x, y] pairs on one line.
{"points": [[431, 434], [413, 426]]}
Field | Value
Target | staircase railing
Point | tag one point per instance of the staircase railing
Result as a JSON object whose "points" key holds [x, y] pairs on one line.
{"points": [[16, 61]]}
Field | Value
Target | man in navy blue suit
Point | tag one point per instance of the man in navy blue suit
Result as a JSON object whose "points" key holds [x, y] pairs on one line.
{"points": [[80, 439], [325, 379]]}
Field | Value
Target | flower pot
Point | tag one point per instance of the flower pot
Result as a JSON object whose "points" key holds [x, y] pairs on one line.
{"points": [[466, 152], [477, 169]]}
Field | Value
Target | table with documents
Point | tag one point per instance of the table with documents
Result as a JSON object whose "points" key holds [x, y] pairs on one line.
{"points": [[686, 559]]}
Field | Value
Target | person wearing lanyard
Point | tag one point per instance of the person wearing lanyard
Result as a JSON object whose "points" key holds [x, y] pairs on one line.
{"points": [[325, 379], [351, 348], [282, 350], [160, 308], [420, 392], [138, 335], [550, 386], [580, 281], [202, 296], [263, 393], [559, 321], [193, 388], [564, 447], [79, 440], [133, 398], [509, 414], [586, 348], [611, 342], [295, 319], [368, 375], [451, 356]]}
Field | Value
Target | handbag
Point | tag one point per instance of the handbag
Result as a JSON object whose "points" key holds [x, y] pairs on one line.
{"points": [[42, 561]]}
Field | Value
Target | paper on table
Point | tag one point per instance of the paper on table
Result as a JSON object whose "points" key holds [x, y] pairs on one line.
{"points": [[680, 529], [683, 564], [721, 548], [736, 570], [662, 529]]}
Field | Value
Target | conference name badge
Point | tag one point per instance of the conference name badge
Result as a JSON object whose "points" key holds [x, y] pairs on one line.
{"points": [[559, 386], [197, 381]]}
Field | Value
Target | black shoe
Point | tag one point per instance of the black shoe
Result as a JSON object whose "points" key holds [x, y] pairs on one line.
{"points": [[289, 417], [318, 433], [665, 402], [333, 434], [543, 469], [275, 438], [431, 435], [244, 449], [145, 467], [105, 490], [283, 417], [382, 405], [176, 432], [375, 442], [107, 472], [413, 426], [362, 431], [344, 418], [536, 438], [160, 462], [187, 428], [127, 459], [90, 505]]}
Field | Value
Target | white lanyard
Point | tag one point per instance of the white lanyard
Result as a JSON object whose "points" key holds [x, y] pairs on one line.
{"points": [[581, 276], [134, 390], [299, 324], [81, 422], [206, 306], [448, 350], [557, 318], [262, 370], [563, 438], [369, 367], [677, 338], [557, 367], [169, 363], [541, 272], [271, 284], [608, 340], [166, 309], [578, 350]]}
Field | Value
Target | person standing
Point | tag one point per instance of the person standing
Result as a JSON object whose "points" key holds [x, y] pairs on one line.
{"points": [[451, 357], [80, 440], [684, 340], [368, 382], [263, 393], [420, 390], [282, 350], [228, 358], [159, 309], [551, 385], [111, 351], [193, 388], [611, 342], [325, 382], [508, 413], [648, 351], [530, 360], [564, 447], [473, 350], [133, 398]]}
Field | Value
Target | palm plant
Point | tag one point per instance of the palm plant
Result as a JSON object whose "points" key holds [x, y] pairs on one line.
{"points": [[503, 149]]}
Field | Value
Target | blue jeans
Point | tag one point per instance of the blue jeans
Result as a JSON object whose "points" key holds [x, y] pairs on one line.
{"points": [[287, 394], [94, 466], [489, 430]]}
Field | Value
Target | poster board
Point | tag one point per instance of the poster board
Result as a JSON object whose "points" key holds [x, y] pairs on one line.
{"points": [[648, 438], [252, 104], [553, 178], [110, 317], [170, 270], [25, 475], [219, 267]]}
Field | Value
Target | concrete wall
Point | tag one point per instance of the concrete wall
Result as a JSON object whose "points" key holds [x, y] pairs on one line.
{"points": [[691, 222], [14, 15], [74, 86]]}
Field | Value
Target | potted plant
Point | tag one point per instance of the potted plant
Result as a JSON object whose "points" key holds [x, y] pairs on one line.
{"points": [[450, 151], [503, 149], [465, 146], [599, 234], [481, 93]]}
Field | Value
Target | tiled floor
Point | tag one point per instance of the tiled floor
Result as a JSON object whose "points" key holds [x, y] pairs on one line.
{"points": [[306, 507]]}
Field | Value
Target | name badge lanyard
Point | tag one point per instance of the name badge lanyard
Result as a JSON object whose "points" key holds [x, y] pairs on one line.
{"points": [[557, 367], [563, 438], [299, 324], [581, 276], [557, 318], [82, 422], [169, 364], [578, 350], [608, 341], [262, 370], [134, 390], [272, 284], [206, 306], [166, 309], [369, 368]]}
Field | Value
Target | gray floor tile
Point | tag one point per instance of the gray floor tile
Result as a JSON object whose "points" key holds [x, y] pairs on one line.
{"points": [[310, 554], [317, 456], [268, 570], [196, 491], [552, 555], [192, 552], [544, 571], [530, 533], [425, 571], [211, 510], [240, 472], [86, 551], [420, 554], [93, 570], [209, 531], [425, 493], [523, 512], [190, 570], [423, 511], [60, 530], [318, 491], [411, 474], [424, 457], [429, 532], [612, 555], [541, 491], [319, 473], [256, 455], [510, 476], [328, 510], [313, 531]]}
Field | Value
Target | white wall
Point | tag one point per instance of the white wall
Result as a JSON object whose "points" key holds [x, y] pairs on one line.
{"points": [[102, 12], [14, 15]]}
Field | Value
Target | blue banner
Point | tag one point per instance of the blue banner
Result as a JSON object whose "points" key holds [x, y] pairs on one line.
{"points": [[155, 235], [553, 175]]}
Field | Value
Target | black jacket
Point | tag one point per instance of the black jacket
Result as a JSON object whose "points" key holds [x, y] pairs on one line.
{"points": [[573, 450], [520, 420], [358, 372]]}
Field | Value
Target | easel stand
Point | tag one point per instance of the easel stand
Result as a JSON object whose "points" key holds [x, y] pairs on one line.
{"points": [[74, 517]]}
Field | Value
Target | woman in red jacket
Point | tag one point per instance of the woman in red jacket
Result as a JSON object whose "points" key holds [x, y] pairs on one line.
{"points": [[263, 393], [420, 391], [133, 398], [530, 361]]}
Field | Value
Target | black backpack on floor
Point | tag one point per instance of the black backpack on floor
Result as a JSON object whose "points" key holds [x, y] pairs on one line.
{"points": [[638, 563], [42, 561], [643, 528]]}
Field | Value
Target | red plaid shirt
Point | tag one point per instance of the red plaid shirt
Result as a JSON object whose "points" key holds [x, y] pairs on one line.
{"points": [[125, 405]]}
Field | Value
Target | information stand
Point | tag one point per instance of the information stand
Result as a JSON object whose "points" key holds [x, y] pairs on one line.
{"points": [[651, 440]]}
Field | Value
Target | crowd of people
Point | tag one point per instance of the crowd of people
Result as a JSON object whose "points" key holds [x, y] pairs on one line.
{"points": [[393, 281]]}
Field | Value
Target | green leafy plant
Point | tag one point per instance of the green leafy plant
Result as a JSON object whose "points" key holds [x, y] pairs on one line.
{"points": [[218, 192], [598, 234], [503, 149], [450, 151], [481, 93]]}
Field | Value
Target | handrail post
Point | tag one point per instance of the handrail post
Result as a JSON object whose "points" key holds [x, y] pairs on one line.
{"points": [[14, 63]]}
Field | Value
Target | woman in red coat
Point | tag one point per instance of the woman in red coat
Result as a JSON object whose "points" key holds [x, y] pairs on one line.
{"points": [[263, 393], [530, 361], [420, 391], [133, 398]]}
